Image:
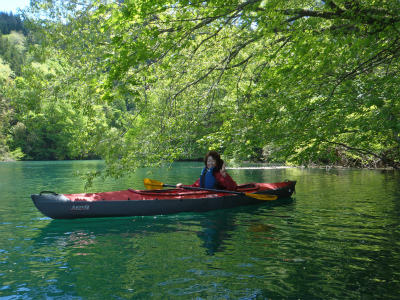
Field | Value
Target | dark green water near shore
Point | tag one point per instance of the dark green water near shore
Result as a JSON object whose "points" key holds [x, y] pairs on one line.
{"points": [[338, 239]]}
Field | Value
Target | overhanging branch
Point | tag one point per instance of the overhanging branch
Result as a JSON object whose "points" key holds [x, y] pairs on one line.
{"points": [[384, 159]]}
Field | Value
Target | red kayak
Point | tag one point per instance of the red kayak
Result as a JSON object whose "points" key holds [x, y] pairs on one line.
{"points": [[155, 202]]}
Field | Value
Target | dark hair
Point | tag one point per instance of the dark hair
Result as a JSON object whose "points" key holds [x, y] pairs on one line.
{"points": [[217, 157]]}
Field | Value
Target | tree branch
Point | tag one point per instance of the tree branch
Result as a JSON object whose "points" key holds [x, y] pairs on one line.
{"points": [[367, 16], [363, 151]]}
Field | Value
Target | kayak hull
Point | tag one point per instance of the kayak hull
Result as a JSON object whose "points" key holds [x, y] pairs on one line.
{"points": [[147, 203]]}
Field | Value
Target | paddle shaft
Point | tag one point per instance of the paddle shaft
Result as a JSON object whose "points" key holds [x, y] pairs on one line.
{"points": [[154, 184], [205, 189]]}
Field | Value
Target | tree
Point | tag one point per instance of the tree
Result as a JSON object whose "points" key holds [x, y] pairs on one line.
{"points": [[10, 22], [13, 49], [46, 123], [6, 114], [305, 80], [5, 72]]}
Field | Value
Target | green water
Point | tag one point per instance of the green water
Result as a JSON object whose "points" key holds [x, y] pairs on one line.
{"points": [[338, 239]]}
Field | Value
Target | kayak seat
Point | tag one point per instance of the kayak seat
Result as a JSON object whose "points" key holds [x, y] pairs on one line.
{"points": [[252, 186]]}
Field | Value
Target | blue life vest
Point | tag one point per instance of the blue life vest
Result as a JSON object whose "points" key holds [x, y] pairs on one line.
{"points": [[207, 178]]}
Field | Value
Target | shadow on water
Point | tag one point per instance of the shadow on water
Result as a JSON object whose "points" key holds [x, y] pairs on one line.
{"points": [[218, 227]]}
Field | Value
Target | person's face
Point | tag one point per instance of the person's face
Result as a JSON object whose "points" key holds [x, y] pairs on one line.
{"points": [[211, 162]]}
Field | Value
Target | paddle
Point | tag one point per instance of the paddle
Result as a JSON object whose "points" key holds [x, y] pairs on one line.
{"points": [[157, 185]]}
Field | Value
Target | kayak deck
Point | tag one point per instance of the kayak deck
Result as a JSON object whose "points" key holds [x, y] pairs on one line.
{"points": [[181, 193]]}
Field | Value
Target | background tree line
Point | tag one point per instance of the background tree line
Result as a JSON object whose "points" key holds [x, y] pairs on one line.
{"points": [[139, 83], [40, 116]]}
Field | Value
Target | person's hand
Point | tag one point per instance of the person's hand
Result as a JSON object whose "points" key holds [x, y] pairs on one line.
{"points": [[223, 170], [179, 185]]}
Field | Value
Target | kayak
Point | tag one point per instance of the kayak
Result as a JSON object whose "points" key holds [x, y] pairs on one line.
{"points": [[132, 202]]}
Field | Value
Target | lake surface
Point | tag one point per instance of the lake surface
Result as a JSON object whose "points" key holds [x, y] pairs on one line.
{"points": [[338, 239]]}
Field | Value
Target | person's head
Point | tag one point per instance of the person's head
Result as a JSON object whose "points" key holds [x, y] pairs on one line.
{"points": [[213, 159]]}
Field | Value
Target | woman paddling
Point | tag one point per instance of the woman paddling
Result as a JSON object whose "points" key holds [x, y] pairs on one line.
{"points": [[214, 175]]}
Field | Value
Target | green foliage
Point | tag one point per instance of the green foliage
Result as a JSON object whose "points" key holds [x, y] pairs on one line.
{"points": [[6, 114], [296, 81], [5, 72], [12, 50], [49, 124], [304, 76]]}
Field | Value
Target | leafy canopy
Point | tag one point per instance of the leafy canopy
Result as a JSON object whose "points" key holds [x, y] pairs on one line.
{"points": [[302, 80]]}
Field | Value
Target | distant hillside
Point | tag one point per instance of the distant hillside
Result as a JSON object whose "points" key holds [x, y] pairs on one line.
{"points": [[10, 22]]}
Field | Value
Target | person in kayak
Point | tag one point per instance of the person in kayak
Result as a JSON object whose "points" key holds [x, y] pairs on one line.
{"points": [[214, 175]]}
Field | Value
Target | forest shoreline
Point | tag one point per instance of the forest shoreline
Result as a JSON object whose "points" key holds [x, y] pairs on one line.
{"points": [[273, 166]]}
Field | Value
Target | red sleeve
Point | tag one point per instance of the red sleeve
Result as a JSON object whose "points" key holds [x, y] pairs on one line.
{"points": [[227, 182], [196, 184]]}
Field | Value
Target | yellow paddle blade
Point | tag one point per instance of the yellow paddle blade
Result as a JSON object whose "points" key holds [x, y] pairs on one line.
{"points": [[151, 184], [262, 197]]}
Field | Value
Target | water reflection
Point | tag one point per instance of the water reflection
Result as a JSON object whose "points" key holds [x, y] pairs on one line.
{"points": [[215, 232]]}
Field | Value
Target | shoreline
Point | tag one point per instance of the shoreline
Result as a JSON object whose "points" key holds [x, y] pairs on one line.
{"points": [[272, 167], [311, 167], [262, 168]]}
